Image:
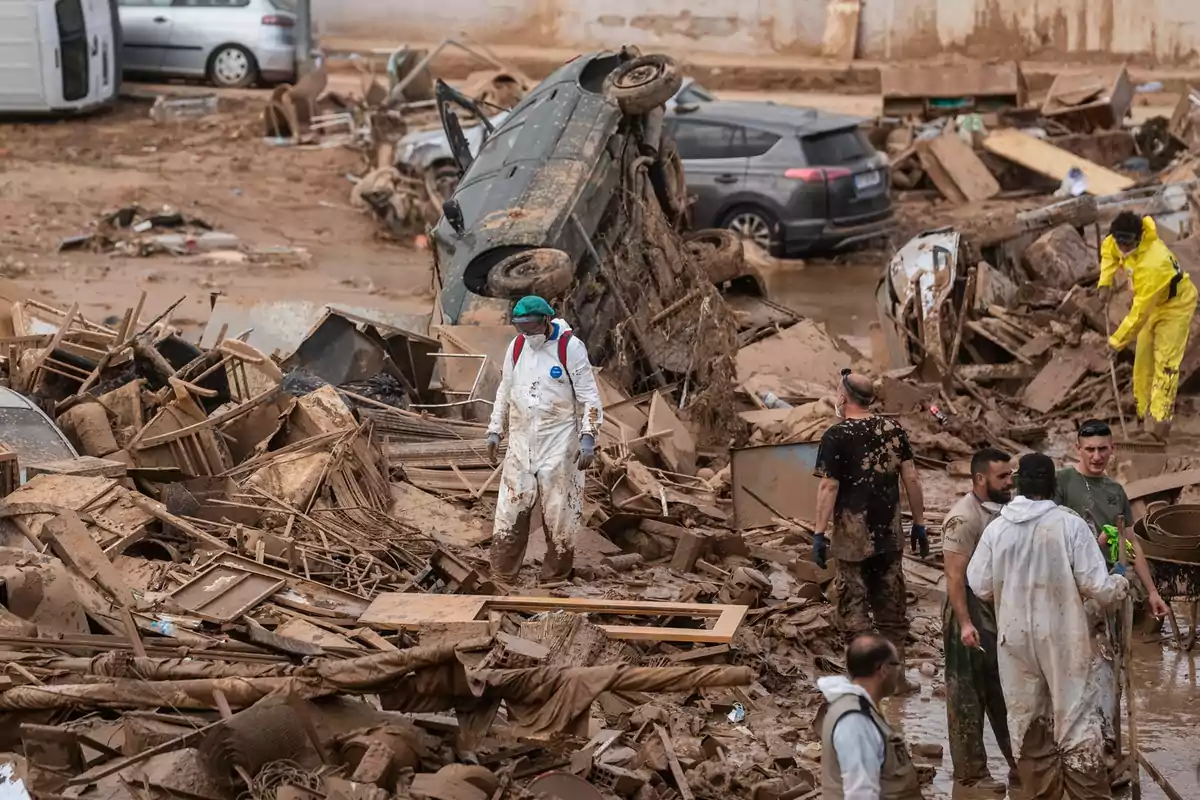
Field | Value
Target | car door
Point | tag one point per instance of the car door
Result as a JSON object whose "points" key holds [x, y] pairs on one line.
{"points": [[200, 27], [712, 166], [146, 34]]}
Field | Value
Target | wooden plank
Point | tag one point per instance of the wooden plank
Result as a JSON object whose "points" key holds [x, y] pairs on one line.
{"points": [[1162, 483], [1053, 162], [679, 449], [70, 540], [304, 631], [939, 175], [972, 178], [410, 611], [1055, 381]]}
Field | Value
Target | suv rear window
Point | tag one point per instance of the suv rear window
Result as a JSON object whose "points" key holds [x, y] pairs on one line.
{"points": [[831, 148]]}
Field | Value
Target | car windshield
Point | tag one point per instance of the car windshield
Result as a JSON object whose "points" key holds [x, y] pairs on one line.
{"points": [[285, 5], [694, 93], [830, 148]]}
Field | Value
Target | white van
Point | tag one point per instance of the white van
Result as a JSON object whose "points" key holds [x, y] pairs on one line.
{"points": [[58, 56]]}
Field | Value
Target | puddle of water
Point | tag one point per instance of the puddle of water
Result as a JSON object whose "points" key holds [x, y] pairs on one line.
{"points": [[842, 295], [1167, 698]]}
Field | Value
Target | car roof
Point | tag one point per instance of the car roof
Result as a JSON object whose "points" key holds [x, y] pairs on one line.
{"points": [[783, 120]]}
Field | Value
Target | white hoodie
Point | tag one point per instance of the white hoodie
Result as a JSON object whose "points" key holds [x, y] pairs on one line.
{"points": [[1039, 562], [857, 740]]}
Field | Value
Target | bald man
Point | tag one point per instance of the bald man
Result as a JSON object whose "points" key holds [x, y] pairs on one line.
{"points": [[861, 462]]}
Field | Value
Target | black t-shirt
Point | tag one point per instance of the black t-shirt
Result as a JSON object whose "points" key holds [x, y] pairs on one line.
{"points": [[864, 457]]}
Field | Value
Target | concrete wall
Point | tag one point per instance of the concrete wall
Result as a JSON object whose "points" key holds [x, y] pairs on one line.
{"points": [[1156, 31]]}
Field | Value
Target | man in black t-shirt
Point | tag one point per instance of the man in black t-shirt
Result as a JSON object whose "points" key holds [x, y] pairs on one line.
{"points": [[861, 462]]}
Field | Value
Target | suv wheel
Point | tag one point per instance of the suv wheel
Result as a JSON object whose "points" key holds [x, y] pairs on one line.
{"points": [[753, 225], [232, 67], [643, 84]]}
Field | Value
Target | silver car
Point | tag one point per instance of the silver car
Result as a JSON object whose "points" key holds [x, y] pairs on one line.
{"points": [[232, 43]]}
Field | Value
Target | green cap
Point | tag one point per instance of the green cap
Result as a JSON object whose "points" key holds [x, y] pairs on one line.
{"points": [[532, 306]]}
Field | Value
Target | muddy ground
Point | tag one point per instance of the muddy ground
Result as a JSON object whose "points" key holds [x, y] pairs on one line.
{"points": [[56, 178]]}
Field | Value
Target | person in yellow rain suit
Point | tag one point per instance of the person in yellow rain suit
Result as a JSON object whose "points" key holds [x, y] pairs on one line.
{"points": [[1164, 300]]}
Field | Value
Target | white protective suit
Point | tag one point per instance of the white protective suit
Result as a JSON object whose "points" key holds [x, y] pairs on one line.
{"points": [[547, 409], [1038, 561]]}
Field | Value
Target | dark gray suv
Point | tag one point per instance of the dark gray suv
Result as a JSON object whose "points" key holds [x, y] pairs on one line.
{"points": [[793, 180]]}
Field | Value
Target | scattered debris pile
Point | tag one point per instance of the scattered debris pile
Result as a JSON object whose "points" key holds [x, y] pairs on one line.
{"points": [[972, 133], [257, 566]]}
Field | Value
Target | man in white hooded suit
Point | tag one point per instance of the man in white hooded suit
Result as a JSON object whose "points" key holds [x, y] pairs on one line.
{"points": [[1039, 562]]}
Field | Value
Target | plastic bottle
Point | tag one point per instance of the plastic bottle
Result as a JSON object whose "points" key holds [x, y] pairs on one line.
{"points": [[770, 400]]}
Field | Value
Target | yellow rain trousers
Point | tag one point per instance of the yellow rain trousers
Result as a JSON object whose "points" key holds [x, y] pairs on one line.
{"points": [[1164, 300]]}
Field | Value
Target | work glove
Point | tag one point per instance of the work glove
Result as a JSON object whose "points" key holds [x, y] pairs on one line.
{"points": [[919, 539], [493, 448], [587, 451], [1120, 569], [820, 555]]}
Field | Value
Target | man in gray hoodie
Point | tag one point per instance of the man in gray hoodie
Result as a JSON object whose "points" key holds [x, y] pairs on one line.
{"points": [[1038, 562]]}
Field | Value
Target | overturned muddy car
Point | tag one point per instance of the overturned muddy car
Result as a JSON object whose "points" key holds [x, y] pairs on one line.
{"points": [[578, 196]]}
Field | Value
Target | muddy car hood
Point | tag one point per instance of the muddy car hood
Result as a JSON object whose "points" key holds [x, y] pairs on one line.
{"points": [[547, 160]]}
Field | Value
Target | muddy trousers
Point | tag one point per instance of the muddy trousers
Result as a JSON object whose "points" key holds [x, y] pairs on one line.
{"points": [[1047, 774], [560, 489], [973, 692], [871, 596], [1156, 359]]}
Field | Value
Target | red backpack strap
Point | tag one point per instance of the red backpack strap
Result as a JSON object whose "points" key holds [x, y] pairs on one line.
{"points": [[518, 346], [562, 349]]}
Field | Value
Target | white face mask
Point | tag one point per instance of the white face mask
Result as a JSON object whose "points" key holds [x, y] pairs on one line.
{"points": [[839, 408], [537, 340]]}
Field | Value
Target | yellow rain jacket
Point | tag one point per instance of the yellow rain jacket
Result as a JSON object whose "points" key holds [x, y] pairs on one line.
{"points": [[1164, 300]]}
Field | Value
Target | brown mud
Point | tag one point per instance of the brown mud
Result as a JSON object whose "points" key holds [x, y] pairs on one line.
{"points": [[1167, 701]]}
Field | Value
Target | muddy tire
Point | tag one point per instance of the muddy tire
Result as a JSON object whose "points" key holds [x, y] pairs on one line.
{"points": [[644, 83], [543, 271], [719, 253]]}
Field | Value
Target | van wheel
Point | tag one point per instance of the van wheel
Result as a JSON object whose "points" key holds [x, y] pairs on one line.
{"points": [[543, 271], [643, 84], [232, 67]]}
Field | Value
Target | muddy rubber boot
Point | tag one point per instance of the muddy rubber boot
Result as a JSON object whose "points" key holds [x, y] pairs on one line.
{"points": [[901, 685]]}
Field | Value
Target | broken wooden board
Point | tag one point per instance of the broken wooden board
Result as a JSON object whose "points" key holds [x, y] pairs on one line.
{"points": [[304, 631], [1053, 162], [678, 450], [780, 475], [841, 29], [1171, 481], [433, 516], [957, 172], [394, 611], [70, 540], [87, 466], [1054, 383], [804, 352]]}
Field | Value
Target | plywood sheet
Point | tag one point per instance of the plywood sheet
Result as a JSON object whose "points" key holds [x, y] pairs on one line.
{"points": [[780, 475], [304, 631], [1052, 385], [678, 450], [955, 169], [1053, 162], [428, 513], [804, 352]]}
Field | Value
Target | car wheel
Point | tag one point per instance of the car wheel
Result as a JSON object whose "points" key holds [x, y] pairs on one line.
{"points": [[718, 252], [232, 67], [643, 84], [543, 271], [753, 225]]}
